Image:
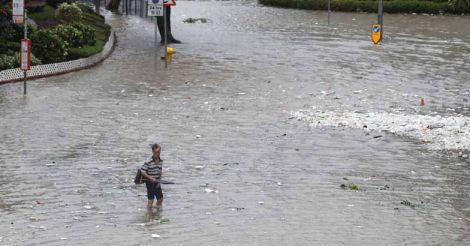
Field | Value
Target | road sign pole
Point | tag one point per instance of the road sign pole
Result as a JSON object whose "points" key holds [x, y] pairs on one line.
{"points": [[380, 20], [329, 10], [156, 33], [165, 34], [25, 37]]}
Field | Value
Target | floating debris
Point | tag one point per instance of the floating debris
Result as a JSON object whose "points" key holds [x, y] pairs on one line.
{"points": [[440, 133], [407, 203], [195, 20], [261, 202], [349, 186], [207, 190], [198, 167], [155, 236], [385, 187]]}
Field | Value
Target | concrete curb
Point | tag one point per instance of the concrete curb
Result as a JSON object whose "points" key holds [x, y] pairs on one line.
{"points": [[48, 70]]}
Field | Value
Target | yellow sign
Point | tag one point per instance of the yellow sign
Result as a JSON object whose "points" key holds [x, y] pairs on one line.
{"points": [[376, 33]]}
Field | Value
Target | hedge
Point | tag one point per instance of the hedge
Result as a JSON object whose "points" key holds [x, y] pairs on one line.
{"points": [[392, 6]]}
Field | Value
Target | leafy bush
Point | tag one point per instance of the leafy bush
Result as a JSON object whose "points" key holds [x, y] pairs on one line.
{"points": [[55, 3], [85, 8], [12, 60], [48, 46], [68, 13], [460, 6], [89, 35], [7, 61], [35, 9], [390, 6], [70, 34]]}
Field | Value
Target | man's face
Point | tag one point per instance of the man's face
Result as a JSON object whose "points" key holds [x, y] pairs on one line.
{"points": [[156, 152]]}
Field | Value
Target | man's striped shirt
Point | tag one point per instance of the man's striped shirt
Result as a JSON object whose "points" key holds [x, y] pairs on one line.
{"points": [[153, 169]]}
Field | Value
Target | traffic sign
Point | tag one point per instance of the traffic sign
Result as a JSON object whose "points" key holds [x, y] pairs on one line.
{"points": [[376, 33], [169, 2], [25, 54], [18, 7], [155, 8]]}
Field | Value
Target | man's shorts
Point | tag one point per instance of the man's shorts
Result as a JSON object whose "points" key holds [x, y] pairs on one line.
{"points": [[154, 191]]}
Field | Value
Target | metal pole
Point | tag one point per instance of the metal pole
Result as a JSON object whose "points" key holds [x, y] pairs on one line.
{"points": [[380, 20], [329, 10], [135, 7], [156, 34], [25, 36], [126, 7], [165, 34]]}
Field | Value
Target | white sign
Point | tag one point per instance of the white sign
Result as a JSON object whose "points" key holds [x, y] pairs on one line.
{"points": [[25, 55], [155, 8], [18, 7]]}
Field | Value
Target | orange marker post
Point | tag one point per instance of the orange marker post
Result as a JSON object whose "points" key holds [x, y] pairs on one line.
{"points": [[376, 33]]}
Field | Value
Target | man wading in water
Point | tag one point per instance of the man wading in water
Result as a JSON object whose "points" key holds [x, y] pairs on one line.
{"points": [[152, 172]]}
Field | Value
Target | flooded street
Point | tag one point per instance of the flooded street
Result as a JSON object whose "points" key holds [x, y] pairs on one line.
{"points": [[247, 170]]}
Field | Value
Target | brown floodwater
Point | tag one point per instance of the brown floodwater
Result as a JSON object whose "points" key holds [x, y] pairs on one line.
{"points": [[245, 172]]}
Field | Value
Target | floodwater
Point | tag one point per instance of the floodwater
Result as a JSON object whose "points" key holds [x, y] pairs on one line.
{"points": [[70, 149]]}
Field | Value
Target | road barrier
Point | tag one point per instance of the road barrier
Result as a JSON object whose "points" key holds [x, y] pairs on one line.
{"points": [[46, 70]]}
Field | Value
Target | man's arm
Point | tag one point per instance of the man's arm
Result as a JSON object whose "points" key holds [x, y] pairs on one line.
{"points": [[148, 177]]}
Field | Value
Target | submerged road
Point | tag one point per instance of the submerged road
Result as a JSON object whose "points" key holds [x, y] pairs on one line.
{"points": [[245, 171]]}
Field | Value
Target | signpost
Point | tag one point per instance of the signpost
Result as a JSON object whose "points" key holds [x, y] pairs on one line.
{"points": [[158, 8], [376, 33], [18, 11], [20, 17], [155, 8], [380, 16], [329, 10], [25, 54], [166, 4]]}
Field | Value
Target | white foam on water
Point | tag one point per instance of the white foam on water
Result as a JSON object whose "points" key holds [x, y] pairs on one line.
{"points": [[439, 133]]}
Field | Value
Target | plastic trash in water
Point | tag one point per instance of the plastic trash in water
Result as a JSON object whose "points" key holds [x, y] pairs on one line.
{"points": [[155, 236], [170, 50]]}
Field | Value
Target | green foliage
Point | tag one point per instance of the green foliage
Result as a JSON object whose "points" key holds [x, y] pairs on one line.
{"points": [[68, 13], [55, 3], [459, 6], [85, 8], [89, 36], [48, 46], [390, 6], [46, 13], [7, 61], [35, 9], [70, 34], [12, 60], [86, 51]]}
